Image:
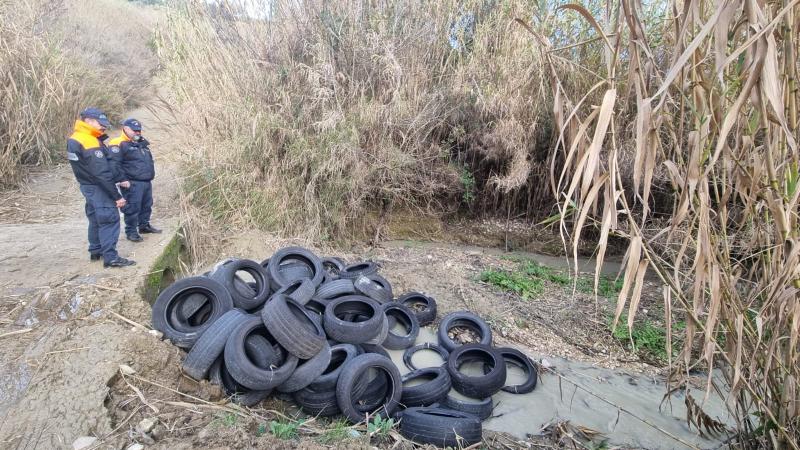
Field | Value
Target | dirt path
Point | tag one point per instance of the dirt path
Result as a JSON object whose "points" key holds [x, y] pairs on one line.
{"points": [[60, 341]]}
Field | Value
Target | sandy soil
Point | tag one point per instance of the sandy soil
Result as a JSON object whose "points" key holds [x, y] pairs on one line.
{"points": [[60, 338]]}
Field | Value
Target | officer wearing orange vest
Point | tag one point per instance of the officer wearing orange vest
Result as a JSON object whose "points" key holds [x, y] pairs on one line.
{"points": [[89, 158]]}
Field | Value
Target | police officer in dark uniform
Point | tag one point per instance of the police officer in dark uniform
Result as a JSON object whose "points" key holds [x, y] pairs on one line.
{"points": [[88, 156], [136, 163], [117, 173]]}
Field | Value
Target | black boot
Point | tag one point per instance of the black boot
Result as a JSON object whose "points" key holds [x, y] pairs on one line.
{"points": [[135, 237], [119, 262], [148, 229]]}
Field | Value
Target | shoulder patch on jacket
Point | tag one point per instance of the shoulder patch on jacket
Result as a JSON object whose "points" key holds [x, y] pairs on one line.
{"points": [[72, 156], [115, 149]]}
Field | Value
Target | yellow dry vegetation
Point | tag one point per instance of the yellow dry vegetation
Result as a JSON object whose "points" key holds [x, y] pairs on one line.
{"points": [[711, 108]]}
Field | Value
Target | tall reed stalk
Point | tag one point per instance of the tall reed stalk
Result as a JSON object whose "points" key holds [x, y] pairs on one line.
{"points": [[56, 58], [710, 109]]}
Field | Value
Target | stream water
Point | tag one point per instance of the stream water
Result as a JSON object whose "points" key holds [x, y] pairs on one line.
{"points": [[623, 407], [611, 264]]}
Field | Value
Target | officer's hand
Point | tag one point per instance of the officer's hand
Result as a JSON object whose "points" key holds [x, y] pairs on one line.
{"points": [[121, 202], [125, 184]]}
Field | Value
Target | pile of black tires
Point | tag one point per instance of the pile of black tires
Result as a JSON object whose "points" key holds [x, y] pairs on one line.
{"points": [[314, 330]]}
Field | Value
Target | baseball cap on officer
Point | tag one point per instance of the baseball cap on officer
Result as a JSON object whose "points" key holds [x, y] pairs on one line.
{"points": [[97, 114], [133, 124]]}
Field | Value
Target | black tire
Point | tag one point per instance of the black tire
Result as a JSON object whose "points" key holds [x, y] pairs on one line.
{"points": [[317, 318], [335, 288], [372, 289], [317, 403], [414, 300], [242, 368], [517, 358], [353, 332], [210, 345], [341, 354], [440, 427], [307, 371], [322, 402], [477, 386], [298, 254], [292, 326], [236, 392], [381, 336], [332, 266], [425, 394], [372, 348], [406, 317], [170, 298], [463, 319], [189, 308], [214, 374], [356, 270], [242, 295], [262, 352], [300, 291], [190, 313], [350, 377], [248, 289], [409, 353], [294, 271], [334, 262], [374, 393], [218, 265], [383, 283], [482, 410], [316, 306]]}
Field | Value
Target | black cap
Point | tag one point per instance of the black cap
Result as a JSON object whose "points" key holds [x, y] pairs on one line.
{"points": [[97, 114], [133, 124]]}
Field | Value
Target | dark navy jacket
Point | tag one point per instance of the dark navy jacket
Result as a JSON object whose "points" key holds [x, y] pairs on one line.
{"points": [[135, 159], [88, 157], [115, 163]]}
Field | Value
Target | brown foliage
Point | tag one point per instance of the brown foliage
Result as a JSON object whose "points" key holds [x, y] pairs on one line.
{"points": [[56, 58], [714, 107], [315, 120]]}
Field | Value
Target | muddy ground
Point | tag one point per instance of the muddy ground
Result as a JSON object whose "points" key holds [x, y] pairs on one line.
{"points": [[67, 326]]}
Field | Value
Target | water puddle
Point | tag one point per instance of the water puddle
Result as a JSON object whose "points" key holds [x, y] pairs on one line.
{"points": [[13, 382], [71, 308], [611, 265], [584, 395]]}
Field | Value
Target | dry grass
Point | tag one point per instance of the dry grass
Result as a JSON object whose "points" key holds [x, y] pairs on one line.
{"points": [[334, 110], [56, 58], [711, 109]]}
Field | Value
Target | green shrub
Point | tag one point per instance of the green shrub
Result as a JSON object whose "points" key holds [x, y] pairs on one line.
{"points": [[517, 282], [284, 429]]}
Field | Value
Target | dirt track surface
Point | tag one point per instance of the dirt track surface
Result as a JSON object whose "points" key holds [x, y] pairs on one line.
{"points": [[60, 341]]}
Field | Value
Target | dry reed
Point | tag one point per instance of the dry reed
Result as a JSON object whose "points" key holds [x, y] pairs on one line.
{"points": [[317, 122], [57, 57], [711, 110]]}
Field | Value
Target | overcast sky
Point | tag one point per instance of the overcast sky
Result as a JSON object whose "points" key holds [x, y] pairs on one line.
{"points": [[256, 9]]}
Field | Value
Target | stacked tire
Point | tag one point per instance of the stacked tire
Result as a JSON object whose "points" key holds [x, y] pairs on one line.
{"points": [[314, 330]]}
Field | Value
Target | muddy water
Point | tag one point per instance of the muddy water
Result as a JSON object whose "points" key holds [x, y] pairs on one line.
{"points": [[611, 265], [565, 398]]}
